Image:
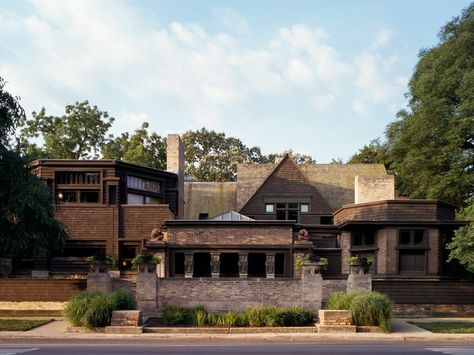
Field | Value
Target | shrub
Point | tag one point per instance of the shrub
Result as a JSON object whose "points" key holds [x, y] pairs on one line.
{"points": [[94, 309], [257, 316], [99, 312], [122, 300], [367, 308], [295, 316], [78, 305], [372, 308], [184, 316], [200, 317], [341, 300]]}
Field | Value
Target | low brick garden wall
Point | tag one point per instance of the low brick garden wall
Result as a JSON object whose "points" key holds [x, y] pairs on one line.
{"points": [[52, 290]]}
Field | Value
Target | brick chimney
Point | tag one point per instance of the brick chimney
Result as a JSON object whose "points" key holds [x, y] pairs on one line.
{"points": [[175, 164]]}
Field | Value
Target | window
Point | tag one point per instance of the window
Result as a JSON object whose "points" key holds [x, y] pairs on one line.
{"points": [[412, 245], [325, 220], [269, 208], [77, 178], [363, 239], [82, 196], [409, 238], [304, 207], [136, 199], [137, 183], [89, 196], [203, 215]]}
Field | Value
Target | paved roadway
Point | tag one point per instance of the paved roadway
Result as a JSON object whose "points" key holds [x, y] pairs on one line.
{"points": [[91, 347]]}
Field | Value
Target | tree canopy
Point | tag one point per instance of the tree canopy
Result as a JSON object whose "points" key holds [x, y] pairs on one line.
{"points": [[27, 223], [211, 156], [462, 245], [141, 147], [431, 146], [373, 153], [78, 134]]}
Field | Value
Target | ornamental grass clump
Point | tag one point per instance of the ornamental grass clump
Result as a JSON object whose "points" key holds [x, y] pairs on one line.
{"points": [[366, 307], [94, 309], [342, 300], [78, 305], [372, 308]]}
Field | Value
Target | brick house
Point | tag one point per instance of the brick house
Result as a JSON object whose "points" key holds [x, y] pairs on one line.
{"points": [[246, 228], [347, 210]]}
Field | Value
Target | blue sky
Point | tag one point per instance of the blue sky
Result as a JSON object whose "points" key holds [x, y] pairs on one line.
{"points": [[319, 77]]}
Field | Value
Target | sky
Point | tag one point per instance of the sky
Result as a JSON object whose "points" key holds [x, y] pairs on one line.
{"points": [[322, 78]]}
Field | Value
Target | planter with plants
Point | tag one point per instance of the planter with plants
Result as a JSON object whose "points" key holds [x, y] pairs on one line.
{"points": [[145, 262], [360, 264], [112, 264], [96, 265], [316, 262]]}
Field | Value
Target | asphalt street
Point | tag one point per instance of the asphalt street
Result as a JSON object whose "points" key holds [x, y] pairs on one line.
{"points": [[73, 347]]}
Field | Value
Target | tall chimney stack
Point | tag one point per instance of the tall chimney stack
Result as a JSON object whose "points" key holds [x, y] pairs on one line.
{"points": [[175, 164]]}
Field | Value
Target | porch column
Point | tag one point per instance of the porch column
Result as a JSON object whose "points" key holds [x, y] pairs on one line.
{"points": [[188, 264], [243, 264], [215, 264], [270, 265]]}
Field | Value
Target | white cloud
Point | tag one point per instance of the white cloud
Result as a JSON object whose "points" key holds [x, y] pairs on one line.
{"points": [[96, 50], [383, 37]]}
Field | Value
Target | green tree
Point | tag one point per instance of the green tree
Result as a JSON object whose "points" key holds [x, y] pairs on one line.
{"points": [[431, 146], [211, 156], [27, 223], [78, 134], [462, 245], [373, 153], [298, 158], [141, 147]]}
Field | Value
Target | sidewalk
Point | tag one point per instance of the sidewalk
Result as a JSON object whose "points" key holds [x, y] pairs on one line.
{"points": [[402, 331]]}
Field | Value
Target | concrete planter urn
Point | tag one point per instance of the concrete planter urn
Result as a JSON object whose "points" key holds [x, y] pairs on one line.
{"points": [[358, 268], [148, 266], [114, 273], [97, 266], [360, 264]]}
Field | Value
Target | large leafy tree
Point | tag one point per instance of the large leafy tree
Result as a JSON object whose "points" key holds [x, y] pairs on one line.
{"points": [[27, 223], [431, 146], [211, 156], [462, 245], [373, 153], [142, 147], [78, 134]]}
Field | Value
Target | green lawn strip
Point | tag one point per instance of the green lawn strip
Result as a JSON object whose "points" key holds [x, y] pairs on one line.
{"points": [[446, 327], [21, 324]]}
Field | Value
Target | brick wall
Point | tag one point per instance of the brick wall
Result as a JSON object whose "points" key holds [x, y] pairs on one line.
{"points": [[433, 310], [137, 221], [434, 253], [228, 235], [39, 290], [90, 222], [231, 294], [345, 251]]}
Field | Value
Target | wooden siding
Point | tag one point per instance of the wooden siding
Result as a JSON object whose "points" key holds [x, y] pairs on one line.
{"points": [[426, 292]]}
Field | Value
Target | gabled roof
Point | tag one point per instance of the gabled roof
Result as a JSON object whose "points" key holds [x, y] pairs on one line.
{"points": [[287, 179], [335, 182], [230, 216]]}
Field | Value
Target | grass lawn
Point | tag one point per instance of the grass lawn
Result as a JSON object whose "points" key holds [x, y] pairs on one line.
{"points": [[446, 327], [21, 324]]}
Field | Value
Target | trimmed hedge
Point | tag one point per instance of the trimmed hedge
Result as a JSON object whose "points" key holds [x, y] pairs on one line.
{"points": [[259, 316], [366, 307], [94, 309]]}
